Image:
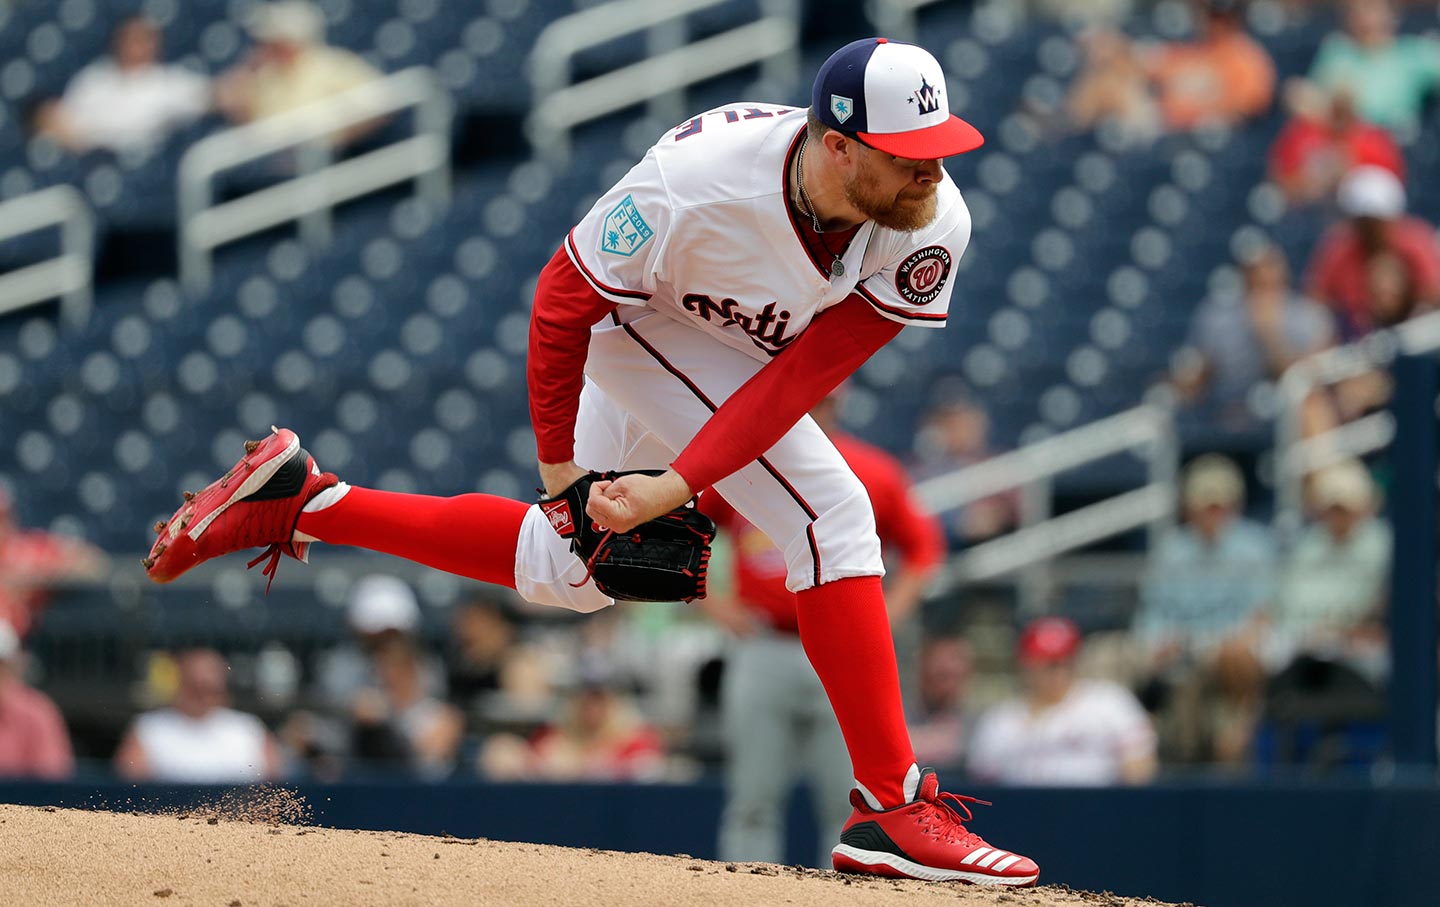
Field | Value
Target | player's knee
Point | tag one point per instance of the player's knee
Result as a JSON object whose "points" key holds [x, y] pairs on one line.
{"points": [[547, 573], [849, 522], [840, 542], [854, 505]]}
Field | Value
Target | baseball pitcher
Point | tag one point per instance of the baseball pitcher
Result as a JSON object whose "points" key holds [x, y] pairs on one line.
{"points": [[753, 259]]}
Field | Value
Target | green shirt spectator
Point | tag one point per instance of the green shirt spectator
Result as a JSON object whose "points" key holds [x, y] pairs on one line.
{"points": [[1390, 75], [1336, 578]]}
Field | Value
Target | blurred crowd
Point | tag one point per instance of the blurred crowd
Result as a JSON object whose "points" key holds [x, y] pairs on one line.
{"points": [[131, 100], [1228, 621], [1240, 639]]}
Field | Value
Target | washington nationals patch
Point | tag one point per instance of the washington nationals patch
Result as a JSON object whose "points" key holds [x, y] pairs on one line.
{"points": [[921, 277]]}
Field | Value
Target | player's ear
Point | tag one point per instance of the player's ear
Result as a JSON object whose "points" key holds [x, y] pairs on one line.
{"points": [[839, 145]]}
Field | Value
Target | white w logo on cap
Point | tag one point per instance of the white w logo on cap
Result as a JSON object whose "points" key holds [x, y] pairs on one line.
{"points": [[928, 96]]}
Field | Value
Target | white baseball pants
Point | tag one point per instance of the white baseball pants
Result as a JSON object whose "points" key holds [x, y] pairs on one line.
{"points": [[651, 384]]}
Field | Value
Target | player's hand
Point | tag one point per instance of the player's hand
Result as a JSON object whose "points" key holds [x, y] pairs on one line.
{"points": [[556, 477], [630, 500]]}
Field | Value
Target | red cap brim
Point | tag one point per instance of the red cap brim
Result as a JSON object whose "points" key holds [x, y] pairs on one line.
{"points": [[954, 136]]}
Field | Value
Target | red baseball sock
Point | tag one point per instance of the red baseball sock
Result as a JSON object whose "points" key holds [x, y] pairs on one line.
{"points": [[472, 535], [846, 634]]}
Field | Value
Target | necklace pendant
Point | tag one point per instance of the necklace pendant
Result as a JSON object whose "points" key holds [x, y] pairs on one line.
{"points": [[837, 268]]}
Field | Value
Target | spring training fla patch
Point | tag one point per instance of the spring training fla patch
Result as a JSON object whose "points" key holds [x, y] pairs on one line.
{"points": [[921, 277], [625, 230]]}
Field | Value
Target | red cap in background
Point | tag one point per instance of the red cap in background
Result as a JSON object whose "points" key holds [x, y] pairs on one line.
{"points": [[1047, 640]]}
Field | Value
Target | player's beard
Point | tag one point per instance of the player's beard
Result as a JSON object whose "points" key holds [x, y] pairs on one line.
{"points": [[908, 211]]}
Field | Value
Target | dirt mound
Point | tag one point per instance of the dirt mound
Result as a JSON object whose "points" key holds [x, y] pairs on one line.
{"points": [[77, 857]]}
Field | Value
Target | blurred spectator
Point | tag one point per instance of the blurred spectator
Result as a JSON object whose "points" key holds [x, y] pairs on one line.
{"points": [[1391, 75], [482, 641], [955, 433], [1063, 730], [1324, 139], [1392, 290], [1238, 342], [128, 100], [939, 718], [381, 607], [600, 737], [1373, 201], [1209, 578], [1201, 608], [1082, 13], [290, 67], [33, 740], [31, 561], [397, 721], [605, 645], [777, 719], [1112, 90], [1333, 594], [1217, 707], [1222, 77], [197, 739]]}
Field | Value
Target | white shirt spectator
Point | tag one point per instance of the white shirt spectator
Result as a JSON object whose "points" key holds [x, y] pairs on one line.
{"points": [[106, 106], [224, 746], [1082, 740]]}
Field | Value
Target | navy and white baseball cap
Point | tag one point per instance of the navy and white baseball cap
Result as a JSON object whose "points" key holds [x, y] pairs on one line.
{"points": [[893, 97]]}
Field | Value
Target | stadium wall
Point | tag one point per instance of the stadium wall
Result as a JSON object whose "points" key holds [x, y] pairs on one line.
{"points": [[1218, 845]]}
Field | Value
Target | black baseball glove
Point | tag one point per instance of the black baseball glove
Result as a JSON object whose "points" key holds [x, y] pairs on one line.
{"points": [[662, 560]]}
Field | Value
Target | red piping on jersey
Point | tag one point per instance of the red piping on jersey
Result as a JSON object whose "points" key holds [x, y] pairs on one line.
{"points": [[580, 263], [899, 313], [822, 266], [814, 549], [709, 404]]}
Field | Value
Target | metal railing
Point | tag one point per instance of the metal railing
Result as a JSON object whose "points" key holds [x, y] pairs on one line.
{"points": [[68, 275], [672, 62], [1147, 430], [1296, 456], [321, 183]]}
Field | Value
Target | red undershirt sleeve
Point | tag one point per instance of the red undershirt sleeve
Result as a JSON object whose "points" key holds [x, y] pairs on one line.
{"points": [[757, 415], [565, 309]]}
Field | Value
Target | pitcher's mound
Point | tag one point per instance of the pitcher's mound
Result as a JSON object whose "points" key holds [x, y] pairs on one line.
{"points": [[79, 857]]}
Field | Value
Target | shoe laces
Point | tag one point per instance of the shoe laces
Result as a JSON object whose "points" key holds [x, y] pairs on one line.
{"points": [[270, 569], [946, 817]]}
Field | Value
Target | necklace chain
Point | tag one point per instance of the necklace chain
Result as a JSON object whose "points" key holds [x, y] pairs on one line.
{"points": [[837, 266], [800, 181]]}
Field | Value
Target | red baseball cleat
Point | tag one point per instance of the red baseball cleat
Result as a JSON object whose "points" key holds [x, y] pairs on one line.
{"points": [[924, 839], [256, 503]]}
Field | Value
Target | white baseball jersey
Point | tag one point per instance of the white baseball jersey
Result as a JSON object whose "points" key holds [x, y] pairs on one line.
{"points": [[699, 246], [1082, 740], [701, 231]]}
